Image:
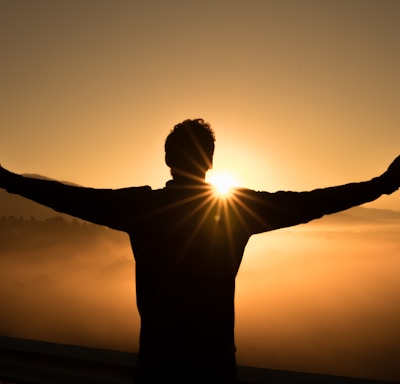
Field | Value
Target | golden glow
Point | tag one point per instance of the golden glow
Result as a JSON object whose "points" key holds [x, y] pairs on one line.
{"points": [[222, 181]]}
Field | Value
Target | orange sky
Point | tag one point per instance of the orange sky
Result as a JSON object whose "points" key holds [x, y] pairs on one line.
{"points": [[301, 94]]}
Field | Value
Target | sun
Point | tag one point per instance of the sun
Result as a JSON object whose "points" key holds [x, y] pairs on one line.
{"points": [[222, 181]]}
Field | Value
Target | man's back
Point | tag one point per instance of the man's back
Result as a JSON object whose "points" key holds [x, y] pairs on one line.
{"points": [[188, 245]]}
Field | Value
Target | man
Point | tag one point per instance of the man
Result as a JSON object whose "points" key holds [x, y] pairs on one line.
{"points": [[188, 244]]}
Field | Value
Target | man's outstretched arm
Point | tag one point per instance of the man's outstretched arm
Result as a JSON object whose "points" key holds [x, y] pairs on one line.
{"points": [[101, 206], [283, 209]]}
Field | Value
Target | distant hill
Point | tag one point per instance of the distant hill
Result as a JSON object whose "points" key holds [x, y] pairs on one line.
{"points": [[36, 176], [14, 205], [363, 215]]}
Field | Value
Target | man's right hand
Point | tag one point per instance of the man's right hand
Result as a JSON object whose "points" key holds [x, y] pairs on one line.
{"points": [[394, 170]]}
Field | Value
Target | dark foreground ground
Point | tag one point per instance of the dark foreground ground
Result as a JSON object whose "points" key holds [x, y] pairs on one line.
{"points": [[34, 362]]}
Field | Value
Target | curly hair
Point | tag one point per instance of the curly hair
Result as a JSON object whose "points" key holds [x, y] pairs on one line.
{"points": [[190, 146]]}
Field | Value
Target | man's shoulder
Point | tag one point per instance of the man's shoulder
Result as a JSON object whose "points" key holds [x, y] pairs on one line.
{"points": [[132, 192], [247, 192], [140, 189]]}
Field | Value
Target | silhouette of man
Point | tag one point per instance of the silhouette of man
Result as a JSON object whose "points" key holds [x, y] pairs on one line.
{"points": [[188, 244]]}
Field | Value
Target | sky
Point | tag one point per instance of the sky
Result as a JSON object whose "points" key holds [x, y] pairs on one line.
{"points": [[301, 95]]}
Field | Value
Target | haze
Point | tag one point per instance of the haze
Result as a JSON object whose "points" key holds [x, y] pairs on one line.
{"points": [[301, 94], [322, 297]]}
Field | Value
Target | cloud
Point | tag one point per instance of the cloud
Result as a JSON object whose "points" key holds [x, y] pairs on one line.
{"points": [[322, 298], [74, 287]]}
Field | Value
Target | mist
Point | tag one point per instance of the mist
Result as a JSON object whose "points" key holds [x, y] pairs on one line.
{"points": [[322, 297], [323, 300], [68, 282]]}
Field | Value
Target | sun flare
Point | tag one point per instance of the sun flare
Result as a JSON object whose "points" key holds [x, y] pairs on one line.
{"points": [[222, 181]]}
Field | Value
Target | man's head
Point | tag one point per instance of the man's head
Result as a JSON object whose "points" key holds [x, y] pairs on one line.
{"points": [[189, 149]]}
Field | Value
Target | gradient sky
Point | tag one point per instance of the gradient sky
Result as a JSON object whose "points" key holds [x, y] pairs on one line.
{"points": [[301, 94]]}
